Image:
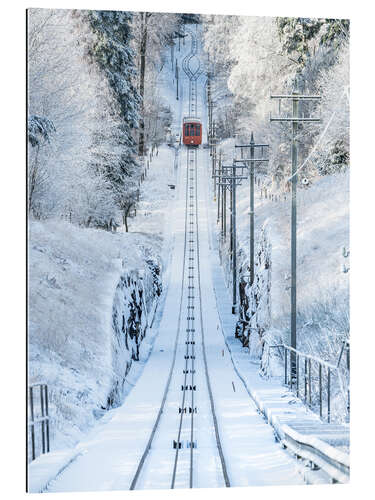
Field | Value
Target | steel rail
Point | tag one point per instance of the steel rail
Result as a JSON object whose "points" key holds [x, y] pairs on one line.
{"points": [[193, 348], [212, 404], [191, 156], [193, 77], [190, 333], [156, 424], [190, 327], [217, 434]]}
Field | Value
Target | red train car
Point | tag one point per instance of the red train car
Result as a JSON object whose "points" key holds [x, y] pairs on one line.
{"points": [[192, 131]]}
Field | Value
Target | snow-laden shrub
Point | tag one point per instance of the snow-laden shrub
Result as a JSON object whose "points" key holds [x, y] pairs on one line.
{"points": [[255, 300], [333, 151]]}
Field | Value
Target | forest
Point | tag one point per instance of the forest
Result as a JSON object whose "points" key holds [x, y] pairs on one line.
{"points": [[94, 108]]}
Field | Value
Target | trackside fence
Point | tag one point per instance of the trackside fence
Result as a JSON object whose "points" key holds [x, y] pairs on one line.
{"points": [[38, 421]]}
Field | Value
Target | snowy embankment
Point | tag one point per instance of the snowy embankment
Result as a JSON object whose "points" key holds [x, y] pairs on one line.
{"points": [[92, 296], [322, 271], [93, 317], [322, 262]]}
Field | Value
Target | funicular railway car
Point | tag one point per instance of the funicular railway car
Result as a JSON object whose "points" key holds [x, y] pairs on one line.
{"points": [[192, 131]]}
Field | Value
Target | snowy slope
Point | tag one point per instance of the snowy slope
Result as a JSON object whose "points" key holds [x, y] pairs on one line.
{"points": [[74, 281], [322, 259]]}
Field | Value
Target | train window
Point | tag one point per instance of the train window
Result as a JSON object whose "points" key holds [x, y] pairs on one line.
{"points": [[192, 129]]}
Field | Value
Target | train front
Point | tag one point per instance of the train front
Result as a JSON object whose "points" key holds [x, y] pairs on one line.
{"points": [[192, 131]]}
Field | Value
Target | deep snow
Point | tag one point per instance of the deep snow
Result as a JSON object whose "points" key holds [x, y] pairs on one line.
{"points": [[253, 455]]}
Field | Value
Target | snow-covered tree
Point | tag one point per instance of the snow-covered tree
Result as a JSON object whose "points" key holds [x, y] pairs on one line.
{"points": [[63, 92], [81, 154], [250, 58], [301, 37], [111, 51], [333, 150], [153, 33]]}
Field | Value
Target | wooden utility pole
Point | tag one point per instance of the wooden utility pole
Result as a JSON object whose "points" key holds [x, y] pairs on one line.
{"points": [[219, 189]]}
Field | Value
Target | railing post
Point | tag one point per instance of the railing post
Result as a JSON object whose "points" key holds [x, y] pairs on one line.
{"points": [[329, 396], [297, 375], [47, 415], [320, 391], [43, 421], [291, 367], [32, 423], [285, 366]]}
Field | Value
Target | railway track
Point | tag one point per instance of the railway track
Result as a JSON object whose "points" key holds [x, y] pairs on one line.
{"points": [[184, 447], [190, 297], [188, 387], [192, 75]]}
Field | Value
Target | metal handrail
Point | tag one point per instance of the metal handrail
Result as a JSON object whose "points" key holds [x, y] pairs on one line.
{"points": [[293, 381], [309, 356]]}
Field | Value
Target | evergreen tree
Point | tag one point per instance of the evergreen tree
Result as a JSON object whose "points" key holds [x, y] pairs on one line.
{"points": [[297, 33], [191, 18], [153, 33], [114, 55], [111, 51]]}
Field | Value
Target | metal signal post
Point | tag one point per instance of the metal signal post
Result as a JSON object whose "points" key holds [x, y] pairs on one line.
{"points": [[295, 119]]}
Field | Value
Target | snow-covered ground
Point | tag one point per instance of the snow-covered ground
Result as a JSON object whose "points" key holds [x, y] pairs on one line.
{"points": [[106, 459]]}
